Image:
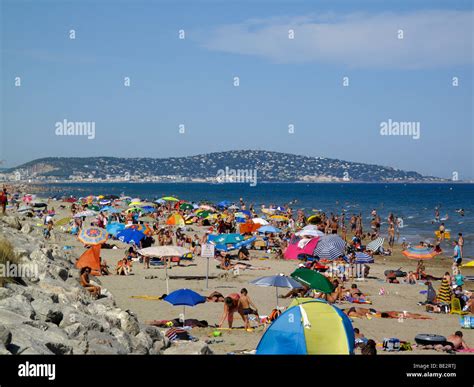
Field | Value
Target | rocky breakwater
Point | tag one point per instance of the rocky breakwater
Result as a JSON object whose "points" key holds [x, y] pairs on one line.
{"points": [[48, 312]]}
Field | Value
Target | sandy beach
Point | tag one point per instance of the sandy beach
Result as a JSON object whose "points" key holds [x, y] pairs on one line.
{"points": [[151, 282]]}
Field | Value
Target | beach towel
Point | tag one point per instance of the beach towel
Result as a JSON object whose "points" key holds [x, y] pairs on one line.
{"points": [[357, 301], [445, 293]]}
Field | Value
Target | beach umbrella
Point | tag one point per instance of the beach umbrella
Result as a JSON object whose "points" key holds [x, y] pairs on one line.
{"points": [[130, 235], [233, 207], [261, 221], [469, 264], [144, 228], [135, 203], [313, 279], [160, 201], [279, 218], [309, 327], [184, 297], [223, 204], [147, 209], [186, 206], [202, 214], [277, 281], [170, 199], [361, 258], [176, 220], [92, 235], [164, 252], [314, 219], [207, 207], [310, 232], [236, 246], [224, 239], [269, 229], [375, 245], [115, 227], [268, 211], [419, 252], [330, 247], [85, 214], [104, 202]]}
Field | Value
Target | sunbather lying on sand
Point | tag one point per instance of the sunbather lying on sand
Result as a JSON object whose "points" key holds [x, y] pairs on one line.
{"points": [[215, 297], [364, 312]]}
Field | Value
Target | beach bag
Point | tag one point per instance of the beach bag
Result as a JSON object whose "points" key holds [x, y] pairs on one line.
{"points": [[391, 344]]}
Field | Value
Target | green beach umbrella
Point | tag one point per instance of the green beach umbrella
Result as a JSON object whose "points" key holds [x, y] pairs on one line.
{"points": [[203, 214], [186, 206], [93, 207], [313, 279]]}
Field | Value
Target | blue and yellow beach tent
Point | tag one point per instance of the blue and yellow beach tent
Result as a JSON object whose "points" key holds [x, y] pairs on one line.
{"points": [[311, 327]]}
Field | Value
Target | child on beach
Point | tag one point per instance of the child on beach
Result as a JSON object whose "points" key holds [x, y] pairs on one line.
{"points": [[246, 305]]}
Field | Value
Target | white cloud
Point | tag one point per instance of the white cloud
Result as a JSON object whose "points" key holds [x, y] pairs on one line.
{"points": [[431, 39]]}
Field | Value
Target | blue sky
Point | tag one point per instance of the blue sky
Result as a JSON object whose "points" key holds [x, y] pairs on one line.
{"points": [[282, 81]]}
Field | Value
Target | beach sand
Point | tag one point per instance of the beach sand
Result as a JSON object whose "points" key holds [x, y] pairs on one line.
{"points": [[399, 297]]}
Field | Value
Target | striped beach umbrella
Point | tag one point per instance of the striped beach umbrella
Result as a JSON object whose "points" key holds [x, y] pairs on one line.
{"points": [[92, 236], [361, 258], [330, 247], [419, 252], [375, 245], [85, 214]]}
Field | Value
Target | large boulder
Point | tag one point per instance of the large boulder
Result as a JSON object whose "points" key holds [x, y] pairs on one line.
{"points": [[142, 344], [12, 221], [48, 312], [18, 304], [188, 348], [101, 343]]}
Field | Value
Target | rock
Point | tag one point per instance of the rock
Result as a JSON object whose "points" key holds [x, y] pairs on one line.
{"points": [[59, 348], [12, 221], [5, 293], [142, 343], [4, 350], [26, 229], [101, 343], [72, 316], [123, 338], [5, 336], [153, 332], [47, 312], [188, 348], [44, 339], [18, 304], [129, 322], [74, 330]]}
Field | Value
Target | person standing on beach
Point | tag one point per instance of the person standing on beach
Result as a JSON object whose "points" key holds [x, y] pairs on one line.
{"points": [[4, 200], [246, 305], [461, 244], [457, 257], [391, 235]]}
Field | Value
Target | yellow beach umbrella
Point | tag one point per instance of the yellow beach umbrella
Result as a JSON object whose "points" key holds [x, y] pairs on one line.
{"points": [[279, 218], [170, 199]]}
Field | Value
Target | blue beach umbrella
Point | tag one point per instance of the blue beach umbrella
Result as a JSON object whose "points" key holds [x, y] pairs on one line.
{"points": [[361, 258], [130, 235], [184, 297], [114, 228], [269, 229]]}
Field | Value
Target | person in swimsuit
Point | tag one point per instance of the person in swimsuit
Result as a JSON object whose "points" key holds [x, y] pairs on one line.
{"points": [[453, 343], [86, 283], [246, 305], [231, 305]]}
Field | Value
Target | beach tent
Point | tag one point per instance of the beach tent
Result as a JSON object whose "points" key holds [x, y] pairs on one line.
{"points": [[90, 258], [296, 248], [176, 220], [311, 327]]}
